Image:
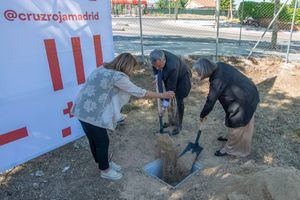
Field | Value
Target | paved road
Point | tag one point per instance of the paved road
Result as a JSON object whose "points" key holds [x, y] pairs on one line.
{"points": [[192, 28], [194, 36]]}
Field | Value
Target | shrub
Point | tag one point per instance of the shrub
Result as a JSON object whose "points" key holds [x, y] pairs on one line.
{"points": [[265, 10], [247, 8]]}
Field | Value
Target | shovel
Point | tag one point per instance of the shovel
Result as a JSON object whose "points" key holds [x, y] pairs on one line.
{"points": [[159, 89], [193, 147]]}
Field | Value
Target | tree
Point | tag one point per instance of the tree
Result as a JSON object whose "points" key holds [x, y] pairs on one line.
{"points": [[292, 4], [227, 5], [230, 9], [182, 3], [275, 26], [163, 4], [224, 4]]}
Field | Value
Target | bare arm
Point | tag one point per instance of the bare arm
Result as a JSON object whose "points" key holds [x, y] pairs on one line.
{"points": [[165, 95]]}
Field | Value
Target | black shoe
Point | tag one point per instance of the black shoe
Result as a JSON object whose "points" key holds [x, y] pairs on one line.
{"points": [[221, 138], [176, 131], [166, 125], [218, 153]]}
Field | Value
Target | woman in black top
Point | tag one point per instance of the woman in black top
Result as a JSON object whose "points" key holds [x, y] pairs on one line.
{"points": [[238, 96]]}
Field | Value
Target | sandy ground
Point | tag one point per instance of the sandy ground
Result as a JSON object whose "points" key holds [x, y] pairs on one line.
{"points": [[70, 172]]}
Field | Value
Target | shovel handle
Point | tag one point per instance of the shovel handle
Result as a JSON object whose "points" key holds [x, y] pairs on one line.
{"points": [[198, 136], [159, 89], [200, 125]]}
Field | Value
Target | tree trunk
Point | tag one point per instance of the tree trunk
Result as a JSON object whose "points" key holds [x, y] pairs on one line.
{"points": [[176, 9], [275, 25], [231, 15]]}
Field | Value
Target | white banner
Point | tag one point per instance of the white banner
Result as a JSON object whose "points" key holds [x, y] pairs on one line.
{"points": [[47, 49]]}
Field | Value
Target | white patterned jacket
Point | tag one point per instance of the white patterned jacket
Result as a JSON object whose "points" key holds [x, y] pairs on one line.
{"points": [[100, 100]]}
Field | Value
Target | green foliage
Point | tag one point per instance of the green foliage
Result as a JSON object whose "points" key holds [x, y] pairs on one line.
{"points": [[225, 4], [285, 15], [297, 17], [186, 11], [248, 8], [164, 4], [182, 3], [292, 4], [263, 10]]}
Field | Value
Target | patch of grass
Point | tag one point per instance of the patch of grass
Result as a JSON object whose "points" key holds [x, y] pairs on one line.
{"points": [[297, 132], [130, 107]]}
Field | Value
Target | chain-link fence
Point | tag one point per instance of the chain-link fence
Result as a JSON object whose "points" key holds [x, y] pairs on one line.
{"points": [[208, 27]]}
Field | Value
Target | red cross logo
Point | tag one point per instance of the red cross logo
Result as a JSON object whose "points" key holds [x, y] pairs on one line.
{"points": [[68, 109]]}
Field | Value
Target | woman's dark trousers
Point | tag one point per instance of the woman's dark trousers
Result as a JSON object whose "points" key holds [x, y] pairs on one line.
{"points": [[99, 143]]}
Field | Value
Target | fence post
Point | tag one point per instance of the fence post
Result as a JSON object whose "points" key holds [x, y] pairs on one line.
{"points": [[176, 9], [275, 25], [291, 33], [241, 24], [169, 8], [141, 29], [217, 19]]}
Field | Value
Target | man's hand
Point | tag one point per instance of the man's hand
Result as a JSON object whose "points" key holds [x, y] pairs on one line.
{"points": [[167, 95]]}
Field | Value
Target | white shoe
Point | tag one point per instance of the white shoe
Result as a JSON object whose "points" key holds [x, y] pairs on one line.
{"points": [[111, 174], [115, 166], [121, 121]]}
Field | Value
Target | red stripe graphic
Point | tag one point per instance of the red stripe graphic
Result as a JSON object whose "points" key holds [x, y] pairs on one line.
{"points": [[78, 59], [53, 64], [66, 132], [98, 50], [13, 136]]}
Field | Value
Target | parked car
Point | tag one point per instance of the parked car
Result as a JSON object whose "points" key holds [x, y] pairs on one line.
{"points": [[251, 21]]}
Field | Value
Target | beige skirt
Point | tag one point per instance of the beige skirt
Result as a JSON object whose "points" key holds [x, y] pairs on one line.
{"points": [[239, 140]]}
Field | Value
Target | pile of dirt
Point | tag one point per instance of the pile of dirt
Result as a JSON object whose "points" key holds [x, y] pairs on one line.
{"points": [[273, 183], [288, 81], [172, 170]]}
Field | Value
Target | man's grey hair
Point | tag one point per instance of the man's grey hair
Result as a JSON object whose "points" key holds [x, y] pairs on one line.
{"points": [[204, 67], [157, 54]]}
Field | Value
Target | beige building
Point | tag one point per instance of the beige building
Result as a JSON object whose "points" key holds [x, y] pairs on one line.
{"points": [[196, 4]]}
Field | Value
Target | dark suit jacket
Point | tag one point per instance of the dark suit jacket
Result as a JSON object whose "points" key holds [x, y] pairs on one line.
{"points": [[176, 75], [237, 94]]}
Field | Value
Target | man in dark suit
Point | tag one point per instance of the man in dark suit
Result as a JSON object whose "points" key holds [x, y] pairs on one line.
{"points": [[176, 77]]}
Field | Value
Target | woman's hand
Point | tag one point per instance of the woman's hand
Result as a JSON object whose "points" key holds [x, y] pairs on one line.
{"points": [[168, 95], [202, 120], [165, 95]]}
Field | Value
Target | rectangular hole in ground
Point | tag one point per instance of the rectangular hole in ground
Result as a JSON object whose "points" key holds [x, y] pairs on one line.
{"points": [[154, 169]]}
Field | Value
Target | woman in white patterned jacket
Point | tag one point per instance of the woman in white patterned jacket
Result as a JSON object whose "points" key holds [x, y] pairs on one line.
{"points": [[98, 106]]}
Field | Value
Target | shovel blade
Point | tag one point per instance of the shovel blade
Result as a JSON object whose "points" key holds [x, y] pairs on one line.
{"points": [[189, 147]]}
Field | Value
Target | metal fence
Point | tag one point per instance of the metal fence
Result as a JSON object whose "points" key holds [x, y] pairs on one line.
{"points": [[224, 29]]}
